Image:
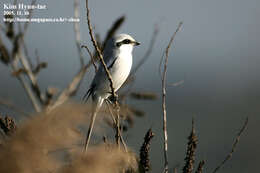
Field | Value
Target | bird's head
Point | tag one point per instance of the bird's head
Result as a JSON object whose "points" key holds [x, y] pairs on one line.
{"points": [[124, 42]]}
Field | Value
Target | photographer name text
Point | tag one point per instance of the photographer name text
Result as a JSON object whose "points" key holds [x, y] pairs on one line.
{"points": [[22, 9]]}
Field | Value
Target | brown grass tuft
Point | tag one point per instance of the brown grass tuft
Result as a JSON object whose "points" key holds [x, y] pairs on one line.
{"points": [[52, 143], [101, 159]]}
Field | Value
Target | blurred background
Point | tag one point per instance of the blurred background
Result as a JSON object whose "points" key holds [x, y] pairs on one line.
{"points": [[216, 54]]}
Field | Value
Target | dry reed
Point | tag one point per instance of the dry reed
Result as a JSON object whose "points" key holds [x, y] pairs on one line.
{"points": [[191, 148], [144, 152]]}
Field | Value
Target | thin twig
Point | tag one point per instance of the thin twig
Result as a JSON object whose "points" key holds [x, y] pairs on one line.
{"points": [[92, 60], [29, 72], [77, 32], [27, 88], [70, 90], [105, 68], [109, 34], [99, 51], [114, 121], [233, 146], [14, 67], [200, 167], [166, 54]]}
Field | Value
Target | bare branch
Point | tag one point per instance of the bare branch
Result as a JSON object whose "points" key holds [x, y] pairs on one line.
{"points": [[233, 146], [110, 33], [70, 90], [99, 51], [77, 32], [28, 69], [15, 68], [105, 68], [166, 54], [27, 88], [39, 66], [92, 59], [115, 122], [200, 167]]}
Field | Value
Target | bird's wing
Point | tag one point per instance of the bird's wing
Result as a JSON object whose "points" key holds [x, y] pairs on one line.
{"points": [[100, 76], [110, 56], [89, 92]]}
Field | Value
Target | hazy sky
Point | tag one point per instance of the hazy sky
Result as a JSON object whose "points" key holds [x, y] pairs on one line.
{"points": [[216, 53]]}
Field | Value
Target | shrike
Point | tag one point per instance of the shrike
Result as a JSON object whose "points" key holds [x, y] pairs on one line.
{"points": [[118, 58]]}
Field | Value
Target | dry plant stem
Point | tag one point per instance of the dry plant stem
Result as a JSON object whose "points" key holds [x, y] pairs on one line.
{"points": [[32, 92], [144, 151], [114, 121], [77, 32], [70, 90], [99, 51], [190, 153], [166, 53], [92, 60], [233, 146], [200, 167], [26, 86], [105, 68], [110, 33], [27, 67]]}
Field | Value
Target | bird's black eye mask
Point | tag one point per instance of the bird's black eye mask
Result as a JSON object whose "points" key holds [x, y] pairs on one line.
{"points": [[125, 41]]}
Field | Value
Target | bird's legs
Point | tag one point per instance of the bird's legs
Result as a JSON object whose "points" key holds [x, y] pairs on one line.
{"points": [[96, 106]]}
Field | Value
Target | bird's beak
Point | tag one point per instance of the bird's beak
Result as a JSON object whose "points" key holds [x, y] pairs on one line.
{"points": [[136, 43]]}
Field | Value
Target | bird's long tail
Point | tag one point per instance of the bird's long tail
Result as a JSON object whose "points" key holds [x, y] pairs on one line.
{"points": [[96, 106]]}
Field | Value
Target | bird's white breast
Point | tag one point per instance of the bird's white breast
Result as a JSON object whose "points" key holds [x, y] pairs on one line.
{"points": [[121, 69]]}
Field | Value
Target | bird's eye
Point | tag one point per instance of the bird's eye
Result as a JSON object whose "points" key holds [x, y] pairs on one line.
{"points": [[126, 41], [118, 44]]}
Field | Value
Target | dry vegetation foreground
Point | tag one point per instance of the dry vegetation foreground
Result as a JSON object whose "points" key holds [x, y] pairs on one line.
{"points": [[54, 143]]}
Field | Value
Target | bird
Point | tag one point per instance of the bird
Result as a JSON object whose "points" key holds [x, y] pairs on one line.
{"points": [[118, 59]]}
